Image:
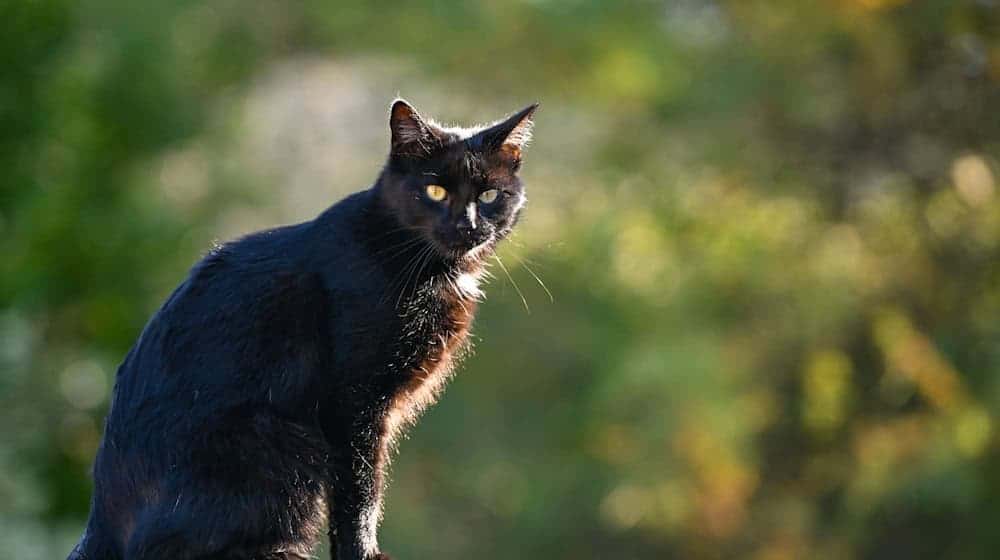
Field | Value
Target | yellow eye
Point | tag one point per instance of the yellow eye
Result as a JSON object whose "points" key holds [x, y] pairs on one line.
{"points": [[488, 196], [436, 193]]}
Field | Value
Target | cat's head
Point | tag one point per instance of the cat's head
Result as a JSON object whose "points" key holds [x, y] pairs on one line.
{"points": [[457, 187]]}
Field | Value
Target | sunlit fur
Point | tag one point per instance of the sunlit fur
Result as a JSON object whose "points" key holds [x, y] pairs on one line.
{"points": [[262, 400]]}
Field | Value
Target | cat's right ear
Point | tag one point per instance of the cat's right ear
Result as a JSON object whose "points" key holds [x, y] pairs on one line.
{"points": [[411, 135]]}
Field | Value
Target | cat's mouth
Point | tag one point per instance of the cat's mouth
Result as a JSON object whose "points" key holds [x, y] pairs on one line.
{"points": [[465, 250], [480, 250]]}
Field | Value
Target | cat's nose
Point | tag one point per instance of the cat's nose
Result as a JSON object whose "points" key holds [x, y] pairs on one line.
{"points": [[467, 222]]}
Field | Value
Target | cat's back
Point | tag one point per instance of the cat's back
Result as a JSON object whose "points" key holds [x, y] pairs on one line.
{"points": [[222, 366], [240, 313], [247, 308]]}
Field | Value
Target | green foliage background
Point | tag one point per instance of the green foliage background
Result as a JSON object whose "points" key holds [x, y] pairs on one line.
{"points": [[771, 230]]}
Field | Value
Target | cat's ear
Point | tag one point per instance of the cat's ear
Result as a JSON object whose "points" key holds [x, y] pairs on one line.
{"points": [[513, 133], [411, 135]]}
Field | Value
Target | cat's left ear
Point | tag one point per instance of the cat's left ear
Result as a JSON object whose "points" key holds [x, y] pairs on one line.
{"points": [[513, 133]]}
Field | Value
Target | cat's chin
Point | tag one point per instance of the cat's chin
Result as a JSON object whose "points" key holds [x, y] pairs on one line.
{"points": [[471, 256], [478, 253]]}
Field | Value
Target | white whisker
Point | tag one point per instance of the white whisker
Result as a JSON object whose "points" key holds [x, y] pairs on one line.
{"points": [[513, 283], [524, 263]]}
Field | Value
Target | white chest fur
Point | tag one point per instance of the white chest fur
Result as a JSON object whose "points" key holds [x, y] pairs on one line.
{"points": [[467, 285]]}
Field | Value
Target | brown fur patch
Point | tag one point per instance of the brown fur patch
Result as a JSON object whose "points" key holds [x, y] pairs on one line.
{"points": [[428, 379]]}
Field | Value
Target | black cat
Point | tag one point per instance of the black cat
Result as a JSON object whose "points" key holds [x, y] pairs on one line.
{"points": [[261, 401]]}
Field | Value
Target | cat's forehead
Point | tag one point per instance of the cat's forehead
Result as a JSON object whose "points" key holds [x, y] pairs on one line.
{"points": [[458, 160]]}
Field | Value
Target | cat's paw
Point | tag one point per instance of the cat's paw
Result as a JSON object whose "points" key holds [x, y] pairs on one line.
{"points": [[381, 556]]}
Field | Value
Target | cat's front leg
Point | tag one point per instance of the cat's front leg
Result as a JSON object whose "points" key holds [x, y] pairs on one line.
{"points": [[358, 481]]}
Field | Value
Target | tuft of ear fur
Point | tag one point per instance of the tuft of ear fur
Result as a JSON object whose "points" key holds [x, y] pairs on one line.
{"points": [[513, 133], [411, 134]]}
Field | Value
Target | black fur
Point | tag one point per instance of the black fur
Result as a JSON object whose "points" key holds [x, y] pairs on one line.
{"points": [[261, 399]]}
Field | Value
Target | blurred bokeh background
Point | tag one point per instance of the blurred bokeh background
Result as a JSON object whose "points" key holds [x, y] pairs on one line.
{"points": [[771, 230]]}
